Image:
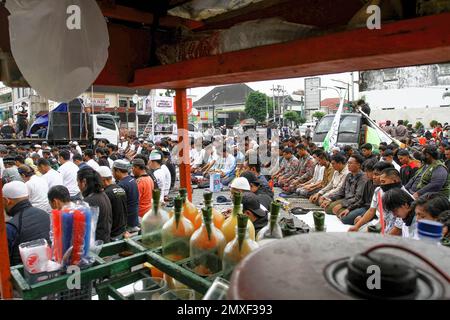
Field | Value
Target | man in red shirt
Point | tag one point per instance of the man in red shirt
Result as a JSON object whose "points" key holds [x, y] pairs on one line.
{"points": [[145, 186], [437, 131], [408, 168]]}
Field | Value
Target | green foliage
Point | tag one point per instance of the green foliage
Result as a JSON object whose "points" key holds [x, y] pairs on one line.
{"points": [[405, 123], [433, 123], [294, 116], [255, 106], [169, 93], [418, 125], [318, 115]]}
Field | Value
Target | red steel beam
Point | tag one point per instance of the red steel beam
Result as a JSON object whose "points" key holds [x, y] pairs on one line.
{"points": [[403, 43], [6, 291], [183, 141]]}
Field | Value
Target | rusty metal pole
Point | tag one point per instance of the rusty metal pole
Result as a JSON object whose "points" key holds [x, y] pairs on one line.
{"points": [[6, 291], [183, 141]]}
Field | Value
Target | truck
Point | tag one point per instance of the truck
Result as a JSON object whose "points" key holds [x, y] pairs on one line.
{"points": [[69, 122], [355, 129]]}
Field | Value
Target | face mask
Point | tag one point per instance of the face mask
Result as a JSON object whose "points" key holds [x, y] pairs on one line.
{"points": [[390, 186]]}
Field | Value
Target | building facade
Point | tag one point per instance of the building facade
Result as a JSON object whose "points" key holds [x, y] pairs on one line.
{"points": [[224, 105], [412, 93]]}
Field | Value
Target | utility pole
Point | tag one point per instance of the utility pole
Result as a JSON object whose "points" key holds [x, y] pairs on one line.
{"points": [[128, 108], [353, 86], [92, 99], [273, 102]]}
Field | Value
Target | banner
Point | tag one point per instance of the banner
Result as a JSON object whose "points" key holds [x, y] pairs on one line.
{"points": [[332, 135], [165, 105]]}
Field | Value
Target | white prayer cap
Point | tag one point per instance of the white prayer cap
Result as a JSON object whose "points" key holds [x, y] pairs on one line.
{"points": [[15, 190], [104, 172], [240, 183]]}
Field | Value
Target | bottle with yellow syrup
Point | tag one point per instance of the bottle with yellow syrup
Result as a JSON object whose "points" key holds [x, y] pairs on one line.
{"points": [[238, 248], [218, 218], [206, 246], [229, 225], [176, 234], [189, 210], [272, 231], [152, 223]]}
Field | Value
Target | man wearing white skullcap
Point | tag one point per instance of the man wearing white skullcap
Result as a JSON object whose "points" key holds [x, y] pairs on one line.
{"points": [[27, 222]]}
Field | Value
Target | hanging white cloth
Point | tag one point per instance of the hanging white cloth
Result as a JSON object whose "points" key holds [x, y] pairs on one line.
{"points": [[60, 46]]}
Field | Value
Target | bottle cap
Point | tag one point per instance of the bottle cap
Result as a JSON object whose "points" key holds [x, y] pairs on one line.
{"points": [[207, 196], [237, 198], [156, 195], [178, 203]]}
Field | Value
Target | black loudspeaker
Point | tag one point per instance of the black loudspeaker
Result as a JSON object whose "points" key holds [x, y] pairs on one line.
{"points": [[59, 126]]}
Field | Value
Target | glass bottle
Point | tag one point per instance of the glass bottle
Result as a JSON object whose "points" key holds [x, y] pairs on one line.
{"points": [[272, 231], [238, 248], [176, 233], [207, 245], [218, 218], [189, 210], [229, 225], [152, 223]]}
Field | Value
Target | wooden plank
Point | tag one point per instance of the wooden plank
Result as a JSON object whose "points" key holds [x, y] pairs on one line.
{"points": [[6, 291], [320, 13], [404, 43], [134, 15], [183, 141]]}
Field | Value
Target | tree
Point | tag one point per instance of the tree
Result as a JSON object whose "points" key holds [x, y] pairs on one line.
{"points": [[405, 122], [294, 116], [418, 125], [318, 114], [291, 116], [433, 123], [255, 106]]}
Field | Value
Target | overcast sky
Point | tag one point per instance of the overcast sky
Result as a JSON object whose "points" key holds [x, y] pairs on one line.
{"points": [[291, 85]]}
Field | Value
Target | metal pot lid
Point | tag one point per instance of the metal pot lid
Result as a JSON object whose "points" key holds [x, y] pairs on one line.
{"points": [[295, 268]]}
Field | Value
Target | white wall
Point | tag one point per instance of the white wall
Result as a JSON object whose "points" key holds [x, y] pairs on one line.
{"points": [[412, 104]]}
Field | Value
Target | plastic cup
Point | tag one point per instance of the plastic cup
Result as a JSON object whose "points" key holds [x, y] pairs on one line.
{"points": [[319, 220], [218, 290], [35, 255], [178, 294], [149, 288]]}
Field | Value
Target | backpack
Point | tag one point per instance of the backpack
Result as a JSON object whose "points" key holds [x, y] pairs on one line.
{"points": [[152, 176]]}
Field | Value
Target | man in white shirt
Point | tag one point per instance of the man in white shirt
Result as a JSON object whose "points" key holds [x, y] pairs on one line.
{"points": [[77, 147], [340, 173], [123, 144], [88, 158], [226, 166], [161, 173], [3, 153], [69, 172], [37, 188], [53, 177], [389, 158], [38, 150]]}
